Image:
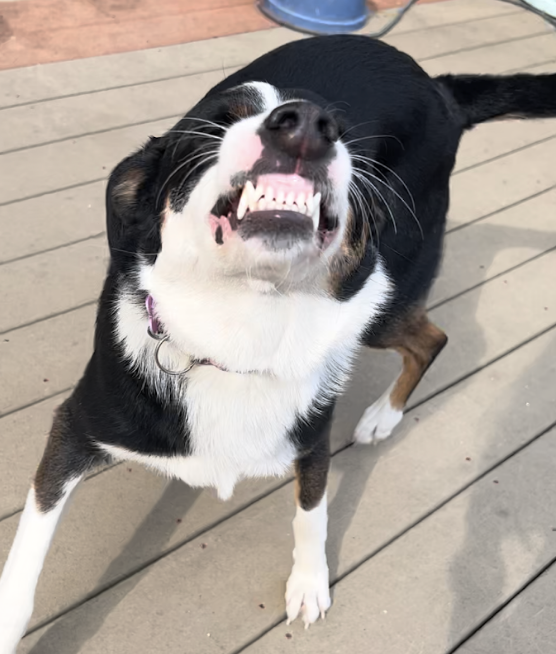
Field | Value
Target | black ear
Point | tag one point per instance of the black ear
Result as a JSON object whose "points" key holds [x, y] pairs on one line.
{"points": [[131, 199]]}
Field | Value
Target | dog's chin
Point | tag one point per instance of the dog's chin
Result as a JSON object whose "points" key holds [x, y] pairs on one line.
{"points": [[284, 260]]}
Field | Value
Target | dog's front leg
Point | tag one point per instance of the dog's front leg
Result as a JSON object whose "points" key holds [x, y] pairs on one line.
{"points": [[64, 462], [307, 589]]}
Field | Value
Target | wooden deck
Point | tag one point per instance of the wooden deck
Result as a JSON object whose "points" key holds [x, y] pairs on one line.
{"points": [[443, 538], [43, 31]]}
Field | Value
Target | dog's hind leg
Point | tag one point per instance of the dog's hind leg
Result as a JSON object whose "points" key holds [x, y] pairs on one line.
{"points": [[419, 341], [65, 460]]}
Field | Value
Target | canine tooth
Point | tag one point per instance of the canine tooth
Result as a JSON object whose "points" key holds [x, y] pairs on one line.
{"points": [[251, 196], [310, 204], [316, 211], [249, 191], [316, 217], [243, 201], [241, 208]]}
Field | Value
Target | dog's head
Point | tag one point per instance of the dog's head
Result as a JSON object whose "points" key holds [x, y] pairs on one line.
{"points": [[253, 183]]}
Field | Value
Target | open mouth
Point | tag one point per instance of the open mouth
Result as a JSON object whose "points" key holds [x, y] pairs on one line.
{"points": [[281, 204]]}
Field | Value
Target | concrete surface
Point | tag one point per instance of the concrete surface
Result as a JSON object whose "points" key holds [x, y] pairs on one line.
{"points": [[439, 538]]}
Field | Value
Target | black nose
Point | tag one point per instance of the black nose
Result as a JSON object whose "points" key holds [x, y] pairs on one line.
{"points": [[302, 130]]}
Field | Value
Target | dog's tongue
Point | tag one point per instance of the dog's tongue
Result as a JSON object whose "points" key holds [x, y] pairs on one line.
{"points": [[285, 183]]}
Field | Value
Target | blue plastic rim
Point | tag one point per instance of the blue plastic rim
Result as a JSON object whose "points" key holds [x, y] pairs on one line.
{"points": [[318, 16]]}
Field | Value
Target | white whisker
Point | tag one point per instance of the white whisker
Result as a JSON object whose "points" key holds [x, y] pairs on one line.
{"points": [[375, 136], [204, 120], [195, 133], [208, 156], [392, 190], [374, 162], [358, 196], [367, 122], [365, 181]]}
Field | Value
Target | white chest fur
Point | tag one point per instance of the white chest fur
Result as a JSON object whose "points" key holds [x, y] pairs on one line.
{"points": [[238, 426], [239, 422]]}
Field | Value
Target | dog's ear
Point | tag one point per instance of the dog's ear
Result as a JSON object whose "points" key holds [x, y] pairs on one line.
{"points": [[131, 201]]}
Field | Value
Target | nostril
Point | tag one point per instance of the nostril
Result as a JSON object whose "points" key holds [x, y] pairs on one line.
{"points": [[301, 129], [283, 118], [328, 127]]}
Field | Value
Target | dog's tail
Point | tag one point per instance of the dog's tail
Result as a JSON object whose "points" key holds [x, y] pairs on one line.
{"points": [[487, 97]]}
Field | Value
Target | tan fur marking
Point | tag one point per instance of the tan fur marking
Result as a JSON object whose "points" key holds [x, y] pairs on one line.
{"points": [[241, 110], [349, 256], [125, 192], [419, 341], [296, 487]]}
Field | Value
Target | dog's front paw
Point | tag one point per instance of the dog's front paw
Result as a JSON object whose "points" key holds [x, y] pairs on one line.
{"points": [[12, 630], [307, 592], [15, 612], [378, 421]]}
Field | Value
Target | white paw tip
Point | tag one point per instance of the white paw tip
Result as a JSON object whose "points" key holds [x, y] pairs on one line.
{"points": [[378, 422]]}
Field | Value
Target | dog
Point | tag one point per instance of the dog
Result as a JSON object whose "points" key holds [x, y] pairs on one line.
{"points": [[295, 213]]}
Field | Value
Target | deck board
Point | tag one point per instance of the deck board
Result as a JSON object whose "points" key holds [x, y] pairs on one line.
{"points": [[496, 58], [527, 624], [96, 73], [471, 555]]}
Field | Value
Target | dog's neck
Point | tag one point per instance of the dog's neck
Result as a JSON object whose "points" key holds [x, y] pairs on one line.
{"points": [[156, 331]]}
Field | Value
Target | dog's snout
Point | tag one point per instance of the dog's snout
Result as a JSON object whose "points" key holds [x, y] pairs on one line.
{"points": [[302, 130]]}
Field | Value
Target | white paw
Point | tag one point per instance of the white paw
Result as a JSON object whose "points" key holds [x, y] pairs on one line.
{"points": [[308, 593], [12, 628], [378, 421], [16, 608]]}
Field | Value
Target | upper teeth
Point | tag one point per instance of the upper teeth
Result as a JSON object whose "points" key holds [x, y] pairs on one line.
{"points": [[261, 198]]}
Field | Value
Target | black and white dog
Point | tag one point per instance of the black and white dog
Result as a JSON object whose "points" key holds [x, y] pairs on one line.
{"points": [[296, 212]]}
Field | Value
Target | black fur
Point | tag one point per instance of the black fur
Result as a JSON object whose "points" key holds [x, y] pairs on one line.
{"points": [[114, 405], [486, 97], [69, 454]]}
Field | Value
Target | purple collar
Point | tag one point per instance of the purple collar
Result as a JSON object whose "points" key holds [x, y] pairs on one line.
{"points": [[154, 328], [156, 332]]}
